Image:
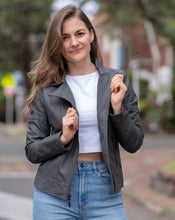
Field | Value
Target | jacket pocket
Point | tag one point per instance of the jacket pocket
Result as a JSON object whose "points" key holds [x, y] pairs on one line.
{"points": [[49, 168]]}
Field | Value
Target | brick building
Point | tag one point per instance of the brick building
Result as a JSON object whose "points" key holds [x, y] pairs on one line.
{"points": [[146, 55]]}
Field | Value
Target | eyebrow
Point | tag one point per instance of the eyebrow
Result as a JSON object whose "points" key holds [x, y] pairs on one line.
{"points": [[75, 32]]}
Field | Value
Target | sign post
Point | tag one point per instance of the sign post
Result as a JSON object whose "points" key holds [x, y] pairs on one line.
{"points": [[9, 83]]}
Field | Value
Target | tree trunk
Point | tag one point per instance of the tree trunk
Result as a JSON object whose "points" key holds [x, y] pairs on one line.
{"points": [[173, 90], [26, 61]]}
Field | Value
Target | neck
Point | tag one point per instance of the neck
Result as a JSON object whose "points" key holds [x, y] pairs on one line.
{"points": [[80, 68]]}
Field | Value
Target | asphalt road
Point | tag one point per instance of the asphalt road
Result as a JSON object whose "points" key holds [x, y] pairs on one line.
{"points": [[16, 185]]}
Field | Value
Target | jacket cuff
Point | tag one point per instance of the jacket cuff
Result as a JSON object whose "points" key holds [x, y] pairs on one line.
{"points": [[123, 111], [121, 121], [63, 147]]}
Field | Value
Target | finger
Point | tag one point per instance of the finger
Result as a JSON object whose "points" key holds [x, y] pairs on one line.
{"points": [[72, 117], [70, 109], [76, 123], [117, 88], [121, 76], [118, 76], [75, 126], [117, 79], [76, 117], [116, 82], [116, 85], [68, 123], [76, 120], [71, 113]]}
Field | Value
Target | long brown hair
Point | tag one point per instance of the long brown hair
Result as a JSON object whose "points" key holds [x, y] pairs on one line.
{"points": [[51, 65]]}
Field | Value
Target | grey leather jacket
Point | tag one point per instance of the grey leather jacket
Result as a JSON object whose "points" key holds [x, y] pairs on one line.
{"points": [[58, 162]]}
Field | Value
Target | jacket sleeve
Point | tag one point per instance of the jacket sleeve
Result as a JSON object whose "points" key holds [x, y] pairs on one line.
{"points": [[40, 145], [127, 123]]}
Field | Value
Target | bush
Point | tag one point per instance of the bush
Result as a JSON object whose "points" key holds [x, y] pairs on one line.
{"points": [[167, 120]]}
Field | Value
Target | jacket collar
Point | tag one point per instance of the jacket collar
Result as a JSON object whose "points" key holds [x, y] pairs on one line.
{"points": [[101, 69], [63, 90]]}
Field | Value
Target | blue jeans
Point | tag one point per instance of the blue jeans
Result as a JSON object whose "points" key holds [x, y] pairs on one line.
{"points": [[91, 197]]}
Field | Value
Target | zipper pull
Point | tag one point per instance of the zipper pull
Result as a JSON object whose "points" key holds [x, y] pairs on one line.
{"points": [[69, 196]]}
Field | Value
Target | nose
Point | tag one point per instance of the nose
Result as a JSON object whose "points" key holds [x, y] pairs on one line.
{"points": [[74, 41]]}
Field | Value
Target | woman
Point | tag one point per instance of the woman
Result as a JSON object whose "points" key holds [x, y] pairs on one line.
{"points": [[79, 112]]}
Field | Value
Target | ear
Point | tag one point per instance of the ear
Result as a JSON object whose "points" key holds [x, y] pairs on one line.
{"points": [[91, 36]]}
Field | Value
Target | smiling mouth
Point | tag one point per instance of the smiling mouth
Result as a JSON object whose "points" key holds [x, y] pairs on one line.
{"points": [[76, 51]]}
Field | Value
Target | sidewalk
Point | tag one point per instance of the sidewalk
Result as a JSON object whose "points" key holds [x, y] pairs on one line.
{"points": [[139, 167], [14, 131]]}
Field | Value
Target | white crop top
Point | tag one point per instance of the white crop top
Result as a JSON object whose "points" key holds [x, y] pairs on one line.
{"points": [[84, 90]]}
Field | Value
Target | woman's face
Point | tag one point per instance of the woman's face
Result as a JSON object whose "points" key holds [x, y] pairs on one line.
{"points": [[76, 41]]}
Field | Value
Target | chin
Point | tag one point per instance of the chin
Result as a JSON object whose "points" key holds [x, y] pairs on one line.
{"points": [[77, 59]]}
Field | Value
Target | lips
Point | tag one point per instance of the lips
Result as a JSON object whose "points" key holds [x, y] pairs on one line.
{"points": [[76, 50]]}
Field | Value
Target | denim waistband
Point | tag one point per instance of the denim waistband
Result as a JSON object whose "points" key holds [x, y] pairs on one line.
{"points": [[90, 165]]}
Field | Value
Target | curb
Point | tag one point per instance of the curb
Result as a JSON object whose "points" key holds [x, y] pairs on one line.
{"points": [[17, 131], [132, 194]]}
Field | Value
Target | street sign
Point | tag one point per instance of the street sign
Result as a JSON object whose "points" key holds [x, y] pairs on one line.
{"points": [[9, 92], [9, 84], [8, 81]]}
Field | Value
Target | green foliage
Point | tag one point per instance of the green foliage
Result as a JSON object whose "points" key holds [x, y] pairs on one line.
{"points": [[167, 120], [162, 17], [2, 97], [27, 16], [20, 19], [143, 89], [153, 110], [170, 166], [2, 101], [143, 104], [125, 13]]}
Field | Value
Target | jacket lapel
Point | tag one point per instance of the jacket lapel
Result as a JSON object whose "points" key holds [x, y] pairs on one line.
{"points": [[64, 92], [103, 90], [103, 104]]}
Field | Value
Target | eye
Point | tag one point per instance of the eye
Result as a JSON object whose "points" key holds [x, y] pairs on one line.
{"points": [[80, 34], [65, 38]]}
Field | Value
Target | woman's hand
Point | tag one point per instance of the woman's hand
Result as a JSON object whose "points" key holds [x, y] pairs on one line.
{"points": [[118, 89], [70, 125]]}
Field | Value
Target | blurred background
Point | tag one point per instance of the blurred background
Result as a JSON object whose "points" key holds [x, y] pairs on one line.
{"points": [[135, 35], [138, 36]]}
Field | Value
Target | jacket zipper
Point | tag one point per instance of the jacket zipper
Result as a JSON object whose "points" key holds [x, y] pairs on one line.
{"points": [[69, 195], [69, 202]]}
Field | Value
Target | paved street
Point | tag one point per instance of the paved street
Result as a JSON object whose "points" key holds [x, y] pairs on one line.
{"points": [[138, 169], [16, 181], [16, 185]]}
